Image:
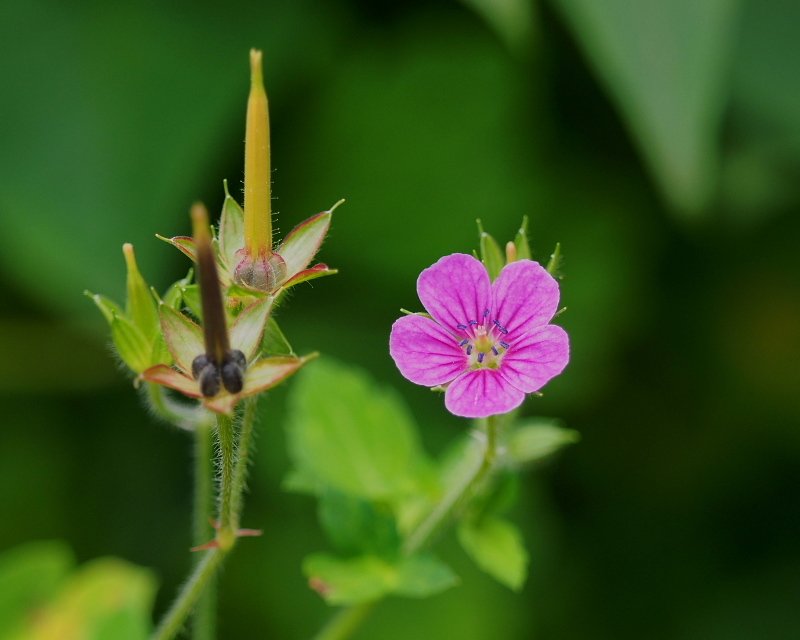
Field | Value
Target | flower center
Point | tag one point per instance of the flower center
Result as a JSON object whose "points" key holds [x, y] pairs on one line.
{"points": [[483, 342]]}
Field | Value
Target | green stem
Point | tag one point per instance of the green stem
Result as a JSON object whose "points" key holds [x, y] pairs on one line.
{"points": [[243, 455], [348, 619], [345, 622], [204, 616], [204, 571], [227, 450]]}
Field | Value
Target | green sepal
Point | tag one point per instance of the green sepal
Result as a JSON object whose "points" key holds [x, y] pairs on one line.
{"points": [[521, 241], [140, 306], [173, 295], [497, 547], [491, 254], [536, 439], [131, 344], [191, 300], [273, 342], [107, 306], [231, 230], [554, 264]]}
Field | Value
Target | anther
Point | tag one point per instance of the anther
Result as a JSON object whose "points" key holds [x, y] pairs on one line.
{"points": [[469, 350], [480, 356], [486, 313], [473, 322], [500, 326], [504, 344], [463, 342], [494, 350], [461, 326]]}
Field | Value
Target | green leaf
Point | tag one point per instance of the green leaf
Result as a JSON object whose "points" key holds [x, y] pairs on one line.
{"points": [[491, 254], [352, 581], [273, 342], [497, 548], [521, 241], [30, 575], [666, 66], [134, 349], [512, 19], [106, 596], [357, 527], [534, 440], [423, 575], [352, 434]]}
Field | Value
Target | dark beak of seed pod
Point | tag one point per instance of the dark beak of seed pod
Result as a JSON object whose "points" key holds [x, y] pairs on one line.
{"points": [[220, 366]]}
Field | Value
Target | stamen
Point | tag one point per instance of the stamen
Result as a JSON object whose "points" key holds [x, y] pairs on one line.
{"points": [[504, 344], [494, 351], [480, 356], [461, 326], [486, 313], [463, 342], [469, 350], [473, 322], [500, 326]]}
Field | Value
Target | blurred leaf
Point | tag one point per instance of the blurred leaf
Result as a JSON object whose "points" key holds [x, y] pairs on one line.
{"points": [[496, 546], [30, 575], [107, 599], [348, 432], [512, 19], [357, 527], [350, 581], [423, 575], [666, 66], [537, 439]]}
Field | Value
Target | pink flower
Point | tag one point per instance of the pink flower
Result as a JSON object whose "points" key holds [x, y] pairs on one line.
{"points": [[489, 343]]}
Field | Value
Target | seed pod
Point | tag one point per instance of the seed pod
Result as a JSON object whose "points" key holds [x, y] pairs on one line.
{"points": [[210, 380]]}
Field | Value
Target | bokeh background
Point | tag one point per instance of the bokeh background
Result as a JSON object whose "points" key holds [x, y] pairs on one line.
{"points": [[658, 141]]}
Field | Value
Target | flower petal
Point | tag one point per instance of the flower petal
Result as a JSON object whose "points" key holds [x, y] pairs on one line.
{"points": [[303, 242], [246, 332], [525, 296], [539, 356], [184, 338], [167, 376], [481, 393], [455, 290], [424, 352], [184, 243]]}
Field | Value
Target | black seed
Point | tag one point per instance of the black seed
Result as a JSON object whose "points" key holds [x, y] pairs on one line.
{"points": [[209, 380], [198, 364], [232, 377], [234, 355]]}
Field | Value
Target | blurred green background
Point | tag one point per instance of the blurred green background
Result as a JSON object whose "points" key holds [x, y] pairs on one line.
{"points": [[658, 141]]}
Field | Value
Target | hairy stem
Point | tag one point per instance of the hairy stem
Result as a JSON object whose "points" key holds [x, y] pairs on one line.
{"points": [[227, 462], [243, 455], [203, 572], [348, 619], [204, 616]]}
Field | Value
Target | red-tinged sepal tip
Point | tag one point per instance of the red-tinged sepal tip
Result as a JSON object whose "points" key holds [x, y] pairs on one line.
{"points": [[249, 533], [214, 544], [319, 585]]}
